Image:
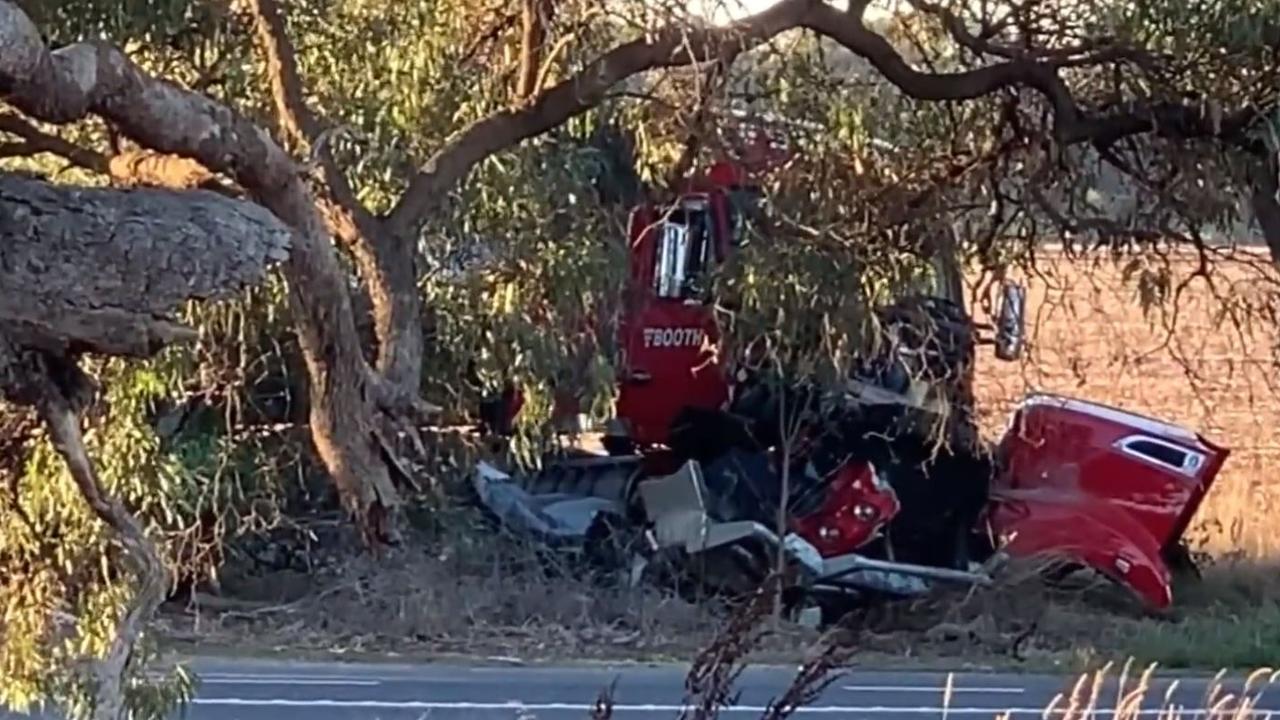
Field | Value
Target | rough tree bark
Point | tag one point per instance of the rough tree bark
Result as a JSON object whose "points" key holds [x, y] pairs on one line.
{"points": [[90, 270], [387, 265], [99, 270], [95, 78]]}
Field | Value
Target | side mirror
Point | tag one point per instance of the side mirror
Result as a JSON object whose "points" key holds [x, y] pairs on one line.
{"points": [[1011, 324]]}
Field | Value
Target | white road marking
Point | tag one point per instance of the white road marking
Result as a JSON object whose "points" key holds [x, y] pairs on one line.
{"points": [[655, 708], [928, 689], [289, 681]]}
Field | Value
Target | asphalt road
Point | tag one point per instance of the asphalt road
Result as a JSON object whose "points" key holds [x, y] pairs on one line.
{"points": [[271, 690]]}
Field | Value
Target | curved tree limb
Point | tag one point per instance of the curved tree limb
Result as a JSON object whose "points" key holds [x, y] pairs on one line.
{"points": [[59, 391], [96, 78], [388, 267], [42, 142], [679, 45], [63, 421], [676, 45], [298, 124], [1084, 53], [140, 168]]}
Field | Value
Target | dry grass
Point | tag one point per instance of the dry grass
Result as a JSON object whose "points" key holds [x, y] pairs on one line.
{"points": [[486, 596], [472, 593], [1089, 697], [1231, 618], [1186, 362], [1108, 691]]}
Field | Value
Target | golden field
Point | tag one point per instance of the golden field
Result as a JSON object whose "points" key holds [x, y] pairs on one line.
{"points": [[1205, 359]]}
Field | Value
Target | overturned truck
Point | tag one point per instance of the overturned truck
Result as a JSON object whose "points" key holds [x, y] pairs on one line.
{"points": [[881, 486]]}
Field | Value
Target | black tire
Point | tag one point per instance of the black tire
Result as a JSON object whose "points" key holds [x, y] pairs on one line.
{"points": [[618, 445]]}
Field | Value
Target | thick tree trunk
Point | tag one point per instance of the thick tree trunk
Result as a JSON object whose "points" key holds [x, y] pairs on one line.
{"points": [[106, 271], [389, 267], [94, 78], [100, 270], [386, 264]]}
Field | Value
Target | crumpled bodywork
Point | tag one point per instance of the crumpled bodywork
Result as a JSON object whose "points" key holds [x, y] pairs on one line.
{"points": [[1108, 488], [561, 506], [855, 507], [1072, 480], [1085, 530]]}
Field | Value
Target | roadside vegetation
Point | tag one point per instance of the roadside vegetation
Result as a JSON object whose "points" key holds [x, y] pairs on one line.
{"points": [[265, 446], [489, 597], [1126, 689]]}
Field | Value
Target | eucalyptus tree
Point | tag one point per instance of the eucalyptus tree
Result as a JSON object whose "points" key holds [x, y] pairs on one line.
{"points": [[381, 131]]}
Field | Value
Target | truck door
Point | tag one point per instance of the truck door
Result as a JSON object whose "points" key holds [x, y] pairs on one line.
{"points": [[668, 335]]}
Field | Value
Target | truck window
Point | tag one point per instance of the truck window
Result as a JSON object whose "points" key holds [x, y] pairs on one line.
{"points": [[1162, 453], [684, 251]]}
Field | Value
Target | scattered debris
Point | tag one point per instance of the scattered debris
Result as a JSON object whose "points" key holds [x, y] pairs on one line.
{"points": [[1092, 486], [880, 487]]}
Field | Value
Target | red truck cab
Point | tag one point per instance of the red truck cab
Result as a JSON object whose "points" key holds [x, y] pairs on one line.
{"points": [[1100, 486], [671, 349]]}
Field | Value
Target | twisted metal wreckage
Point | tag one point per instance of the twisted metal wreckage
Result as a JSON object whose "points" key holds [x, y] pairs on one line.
{"points": [[874, 506]]}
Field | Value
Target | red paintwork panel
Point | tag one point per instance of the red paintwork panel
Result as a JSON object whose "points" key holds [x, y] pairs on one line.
{"points": [[1100, 485], [675, 347], [1073, 447], [1085, 530], [856, 507], [670, 348]]}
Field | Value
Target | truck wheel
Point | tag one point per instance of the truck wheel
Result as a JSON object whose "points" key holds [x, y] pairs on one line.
{"points": [[618, 445]]}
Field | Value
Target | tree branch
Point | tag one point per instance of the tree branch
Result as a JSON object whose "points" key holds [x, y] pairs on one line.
{"points": [[59, 390], [299, 125], [1085, 53], [965, 85], [39, 141], [1072, 124], [96, 78], [534, 18], [143, 168], [675, 45], [63, 422], [678, 45], [130, 168]]}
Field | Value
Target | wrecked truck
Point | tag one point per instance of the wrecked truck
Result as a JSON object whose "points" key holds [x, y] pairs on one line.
{"points": [[887, 488]]}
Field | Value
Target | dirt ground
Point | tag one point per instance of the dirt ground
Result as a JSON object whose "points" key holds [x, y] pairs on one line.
{"points": [[494, 598]]}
